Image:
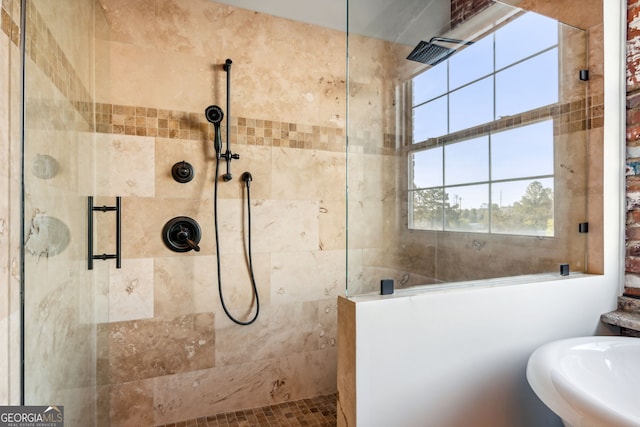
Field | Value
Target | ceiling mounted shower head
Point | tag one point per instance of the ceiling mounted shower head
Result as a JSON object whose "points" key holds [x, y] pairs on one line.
{"points": [[433, 54], [214, 114]]}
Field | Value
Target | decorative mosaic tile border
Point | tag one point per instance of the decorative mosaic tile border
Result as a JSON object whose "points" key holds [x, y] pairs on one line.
{"points": [[142, 121]]}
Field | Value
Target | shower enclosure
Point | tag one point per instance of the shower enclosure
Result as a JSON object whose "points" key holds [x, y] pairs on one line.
{"points": [[468, 138], [107, 115]]}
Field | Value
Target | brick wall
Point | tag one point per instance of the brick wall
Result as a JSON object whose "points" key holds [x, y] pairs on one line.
{"points": [[462, 10], [632, 258]]}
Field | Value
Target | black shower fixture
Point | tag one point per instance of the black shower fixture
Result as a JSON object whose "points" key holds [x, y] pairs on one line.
{"points": [[228, 155], [182, 172], [214, 115], [182, 234], [433, 54], [247, 178]]}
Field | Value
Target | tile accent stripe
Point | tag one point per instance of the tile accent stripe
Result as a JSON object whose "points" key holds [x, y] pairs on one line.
{"points": [[143, 121]]}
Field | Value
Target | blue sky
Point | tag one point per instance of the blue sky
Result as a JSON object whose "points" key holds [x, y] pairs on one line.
{"points": [[513, 154]]}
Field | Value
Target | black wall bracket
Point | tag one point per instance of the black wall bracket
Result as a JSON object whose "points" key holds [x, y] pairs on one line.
{"points": [[584, 75], [90, 210]]}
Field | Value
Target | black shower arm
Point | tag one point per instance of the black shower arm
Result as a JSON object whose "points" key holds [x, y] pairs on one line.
{"points": [[448, 40]]}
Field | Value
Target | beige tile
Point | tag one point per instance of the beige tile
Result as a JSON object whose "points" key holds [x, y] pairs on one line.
{"points": [[130, 289], [190, 285], [131, 404], [280, 330], [200, 393], [143, 220], [333, 224], [153, 348], [306, 276], [130, 22], [308, 175], [126, 166]]}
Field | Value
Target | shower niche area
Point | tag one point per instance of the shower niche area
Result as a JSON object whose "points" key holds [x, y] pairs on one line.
{"points": [[473, 145]]}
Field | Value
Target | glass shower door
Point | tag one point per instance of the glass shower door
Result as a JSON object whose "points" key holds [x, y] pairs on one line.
{"points": [[61, 303]]}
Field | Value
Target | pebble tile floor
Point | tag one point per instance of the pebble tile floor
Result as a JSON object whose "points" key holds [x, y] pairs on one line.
{"points": [[316, 411]]}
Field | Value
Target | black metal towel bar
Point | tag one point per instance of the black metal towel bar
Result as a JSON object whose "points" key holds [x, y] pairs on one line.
{"points": [[90, 210]]}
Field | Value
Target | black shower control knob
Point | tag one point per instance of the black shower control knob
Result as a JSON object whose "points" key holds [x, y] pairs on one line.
{"points": [[182, 172], [182, 234], [235, 156]]}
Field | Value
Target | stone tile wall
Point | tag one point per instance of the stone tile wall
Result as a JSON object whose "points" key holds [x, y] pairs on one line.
{"points": [[167, 348]]}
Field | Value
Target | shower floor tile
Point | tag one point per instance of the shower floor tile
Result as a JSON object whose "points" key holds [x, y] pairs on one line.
{"points": [[316, 411]]}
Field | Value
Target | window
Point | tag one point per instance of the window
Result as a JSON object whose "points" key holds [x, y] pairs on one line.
{"points": [[479, 160]]}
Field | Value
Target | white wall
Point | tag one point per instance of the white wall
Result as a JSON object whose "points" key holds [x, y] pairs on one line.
{"points": [[458, 358], [449, 358]]}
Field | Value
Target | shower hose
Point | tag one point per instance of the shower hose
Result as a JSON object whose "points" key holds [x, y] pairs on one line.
{"points": [[249, 253]]}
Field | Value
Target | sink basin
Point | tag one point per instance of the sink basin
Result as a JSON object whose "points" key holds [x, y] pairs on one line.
{"points": [[589, 381]]}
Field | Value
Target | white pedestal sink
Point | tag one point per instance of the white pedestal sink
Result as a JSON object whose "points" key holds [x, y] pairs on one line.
{"points": [[589, 381]]}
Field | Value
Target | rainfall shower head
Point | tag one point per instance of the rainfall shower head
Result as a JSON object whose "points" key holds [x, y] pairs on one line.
{"points": [[214, 114], [433, 54]]}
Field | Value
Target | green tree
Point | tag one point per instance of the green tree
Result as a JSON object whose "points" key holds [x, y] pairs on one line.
{"points": [[535, 209], [427, 208]]}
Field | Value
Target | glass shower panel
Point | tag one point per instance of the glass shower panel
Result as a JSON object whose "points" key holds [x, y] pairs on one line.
{"points": [[60, 299], [463, 179]]}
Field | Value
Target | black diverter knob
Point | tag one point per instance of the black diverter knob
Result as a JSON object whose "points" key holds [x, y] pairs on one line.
{"points": [[182, 172], [182, 234]]}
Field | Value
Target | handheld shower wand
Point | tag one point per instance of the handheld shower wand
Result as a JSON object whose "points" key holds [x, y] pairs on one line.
{"points": [[214, 115]]}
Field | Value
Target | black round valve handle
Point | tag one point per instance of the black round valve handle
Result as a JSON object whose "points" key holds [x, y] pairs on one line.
{"points": [[182, 234], [182, 172]]}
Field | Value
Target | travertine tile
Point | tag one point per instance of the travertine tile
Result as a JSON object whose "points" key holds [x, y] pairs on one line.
{"points": [[308, 175], [306, 276], [270, 337], [130, 290], [126, 166], [130, 404], [332, 224], [141, 349], [190, 285], [211, 391], [197, 395]]}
